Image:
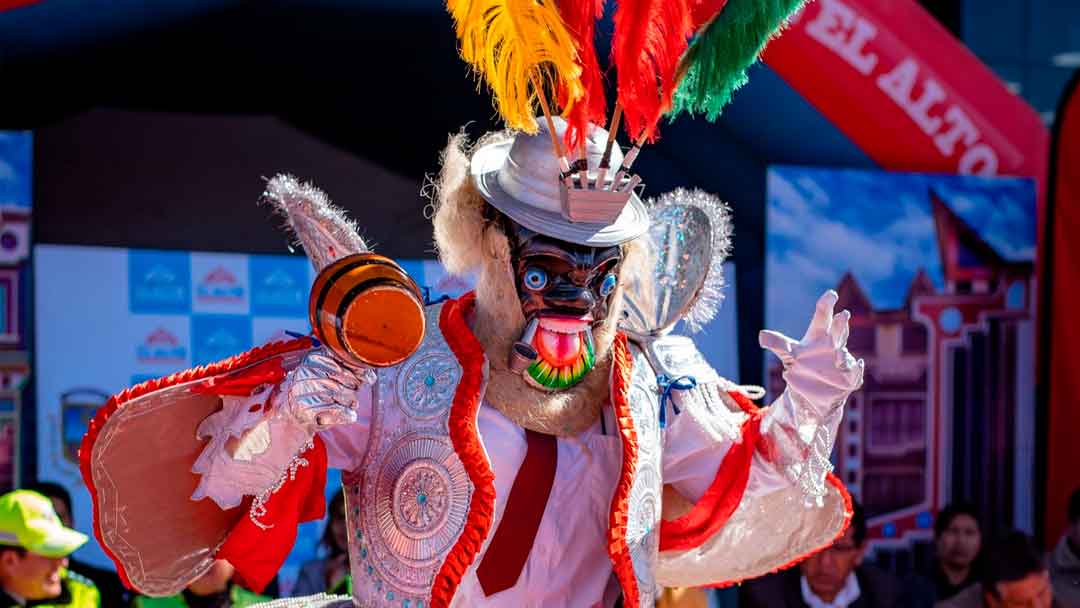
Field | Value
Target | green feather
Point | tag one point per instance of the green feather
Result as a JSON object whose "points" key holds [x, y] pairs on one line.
{"points": [[720, 54]]}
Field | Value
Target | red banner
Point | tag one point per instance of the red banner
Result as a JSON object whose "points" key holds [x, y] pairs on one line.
{"points": [[1063, 417], [907, 92], [10, 4]]}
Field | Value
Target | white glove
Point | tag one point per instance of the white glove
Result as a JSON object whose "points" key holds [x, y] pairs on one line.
{"points": [[819, 367]]}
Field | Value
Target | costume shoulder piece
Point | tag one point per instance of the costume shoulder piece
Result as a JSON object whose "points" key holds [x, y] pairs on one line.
{"points": [[688, 240]]}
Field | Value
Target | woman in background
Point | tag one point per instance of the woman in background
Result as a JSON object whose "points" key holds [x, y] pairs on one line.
{"points": [[958, 540]]}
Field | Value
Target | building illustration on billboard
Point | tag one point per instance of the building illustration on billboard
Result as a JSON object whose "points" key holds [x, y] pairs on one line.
{"points": [[16, 160], [946, 411]]}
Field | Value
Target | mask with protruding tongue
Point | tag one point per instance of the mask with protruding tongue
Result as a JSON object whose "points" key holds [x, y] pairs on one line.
{"points": [[564, 346]]}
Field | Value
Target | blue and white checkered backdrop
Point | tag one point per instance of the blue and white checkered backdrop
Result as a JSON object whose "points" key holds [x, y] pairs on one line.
{"points": [[108, 318]]}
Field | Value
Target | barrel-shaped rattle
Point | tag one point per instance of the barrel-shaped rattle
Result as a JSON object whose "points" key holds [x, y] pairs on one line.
{"points": [[367, 310]]}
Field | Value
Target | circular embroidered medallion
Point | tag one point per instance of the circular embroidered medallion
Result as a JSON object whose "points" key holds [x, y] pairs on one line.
{"points": [[426, 385], [415, 505], [421, 499]]}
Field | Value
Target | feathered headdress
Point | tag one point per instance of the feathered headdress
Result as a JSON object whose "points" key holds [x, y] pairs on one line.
{"points": [[730, 35], [670, 56], [523, 50]]}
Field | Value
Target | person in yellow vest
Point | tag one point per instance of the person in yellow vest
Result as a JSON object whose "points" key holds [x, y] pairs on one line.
{"points": [[215, 589], [34, 549]]}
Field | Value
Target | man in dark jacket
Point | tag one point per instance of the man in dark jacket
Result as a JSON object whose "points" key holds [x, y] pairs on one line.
{"points": [[833, 578], [1015, 574]]}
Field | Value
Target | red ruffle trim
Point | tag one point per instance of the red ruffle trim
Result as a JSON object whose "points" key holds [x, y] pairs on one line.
{"points": [[712, 511], [618, 549], [466, 440], [188, 375]]}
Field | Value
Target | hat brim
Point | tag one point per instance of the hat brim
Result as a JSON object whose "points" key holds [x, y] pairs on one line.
{"points": [[60, 543], [489, 159]]}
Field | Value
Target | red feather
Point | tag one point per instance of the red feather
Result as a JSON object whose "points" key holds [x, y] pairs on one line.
{"points": [[703, 11], [650, 37], [580, 17]]}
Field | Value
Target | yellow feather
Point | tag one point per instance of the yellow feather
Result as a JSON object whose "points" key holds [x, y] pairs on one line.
{"points": [[514, 45]]}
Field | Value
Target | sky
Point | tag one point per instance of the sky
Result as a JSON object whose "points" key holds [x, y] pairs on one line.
{"points": [[15, 177], [822, 223]]}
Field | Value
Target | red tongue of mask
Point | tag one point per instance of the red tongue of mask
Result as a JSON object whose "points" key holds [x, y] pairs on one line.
{"points": [[556, 348]]}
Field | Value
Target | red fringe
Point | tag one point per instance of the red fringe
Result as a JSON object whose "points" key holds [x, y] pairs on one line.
{"points": [[466, 440], [650, 38], [620, 502], [580, 17], [189, 375], [712, 511]]}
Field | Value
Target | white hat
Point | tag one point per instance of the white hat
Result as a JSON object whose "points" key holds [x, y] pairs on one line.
{"points": [[521, 178]]}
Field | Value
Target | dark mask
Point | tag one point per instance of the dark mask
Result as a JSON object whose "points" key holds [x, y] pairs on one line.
{"points": [[565, 291]]}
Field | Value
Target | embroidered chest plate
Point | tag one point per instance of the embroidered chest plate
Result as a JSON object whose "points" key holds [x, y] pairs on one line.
{"points": [[408, 502]]}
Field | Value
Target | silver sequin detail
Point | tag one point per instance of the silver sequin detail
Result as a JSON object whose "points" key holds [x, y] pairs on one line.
{"points": [[321, 600], [643, 517], [408, 501], [258, 503]]}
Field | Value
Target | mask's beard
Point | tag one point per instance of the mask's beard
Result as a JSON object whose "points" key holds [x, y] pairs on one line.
{"points": [[498, 323]]}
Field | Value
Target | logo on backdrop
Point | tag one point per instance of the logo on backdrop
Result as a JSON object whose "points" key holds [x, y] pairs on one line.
{"points": [[279, 286], [161, 346], [77, 408], [159, 282], [219, 286], [217, 337]]}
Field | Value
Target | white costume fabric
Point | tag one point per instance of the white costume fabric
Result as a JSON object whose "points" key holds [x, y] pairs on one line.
{"points": [[682, 481], [787, 510]]}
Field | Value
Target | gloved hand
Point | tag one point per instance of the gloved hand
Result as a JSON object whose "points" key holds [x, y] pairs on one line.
{"points": [[819, 367], [321, 391], [251, 448]]}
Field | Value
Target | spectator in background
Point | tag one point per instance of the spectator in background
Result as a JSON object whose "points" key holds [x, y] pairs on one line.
{"points": [[1065, 559], [958, 543], [833, 578], [215, 589], [108, 583], [1014, 576], [331, 573], [34, 546]]}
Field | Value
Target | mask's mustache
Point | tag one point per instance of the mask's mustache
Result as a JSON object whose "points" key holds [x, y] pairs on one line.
{"points": [[522, 354]]}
